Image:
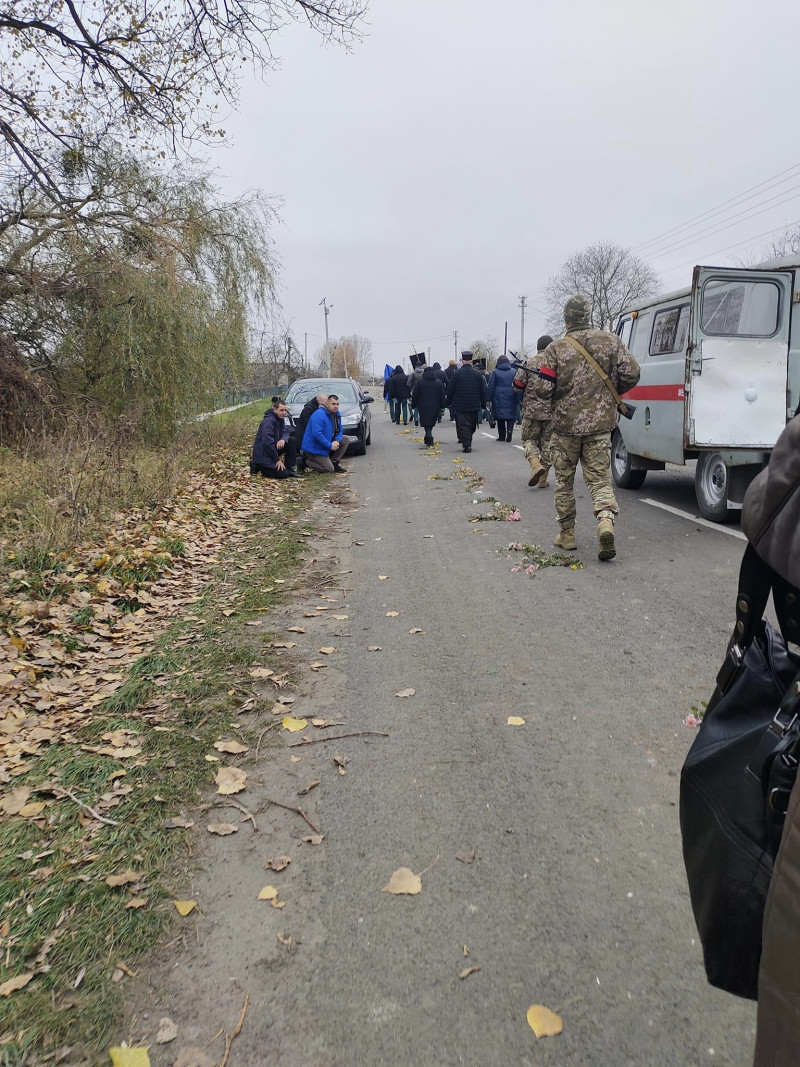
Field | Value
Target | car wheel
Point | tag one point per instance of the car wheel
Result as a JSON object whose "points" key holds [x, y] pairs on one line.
{"points": [[621, 470], [369, 436], [711, 485]]}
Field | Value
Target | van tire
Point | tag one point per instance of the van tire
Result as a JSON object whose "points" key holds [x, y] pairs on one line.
{"points": [[621, 470], [711, 485]]}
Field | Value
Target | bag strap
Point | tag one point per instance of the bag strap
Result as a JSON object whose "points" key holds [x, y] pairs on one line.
{"points": [[622, 407]]}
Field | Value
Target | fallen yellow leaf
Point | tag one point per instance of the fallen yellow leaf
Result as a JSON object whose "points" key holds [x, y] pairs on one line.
{"points": [[374, 648], [406, 692], [222, 829], [515, 720], [295, 630], [13, 984], [269, 892], [122, 879], [328, 651], [260, 672], [340, 618], [122, 1056], [392, 614], [468, 971], [382, 577], [30, 811], [230, 780], [404, 882], [185, 907], [543, 1022], [293, 725], [136, 903], [233, 748]]}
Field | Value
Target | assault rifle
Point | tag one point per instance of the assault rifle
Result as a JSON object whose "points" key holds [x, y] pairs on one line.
{"points": [[625, 408]]}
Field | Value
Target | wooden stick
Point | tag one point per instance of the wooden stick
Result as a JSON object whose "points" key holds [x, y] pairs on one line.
{"points": [[338, 737], [94, 814], [271, 726], [297, 811], [230, 1038], [229, 802]]}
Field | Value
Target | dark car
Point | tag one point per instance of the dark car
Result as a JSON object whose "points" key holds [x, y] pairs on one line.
{"points": [[353, 405]]}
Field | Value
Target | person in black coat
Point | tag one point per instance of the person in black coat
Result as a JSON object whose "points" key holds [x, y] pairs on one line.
{"points": [[274, 449], [466, 396], [428, 399], [450, 370], [440, 374], [300, 426], [399, 394]]}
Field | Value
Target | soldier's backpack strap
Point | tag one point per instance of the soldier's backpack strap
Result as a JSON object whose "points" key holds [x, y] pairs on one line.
{"points": [[622, 407]]}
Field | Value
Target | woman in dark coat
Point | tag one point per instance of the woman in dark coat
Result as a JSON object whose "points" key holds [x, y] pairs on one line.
{"points": [[503, 398], [398, 391], [429, 398]]}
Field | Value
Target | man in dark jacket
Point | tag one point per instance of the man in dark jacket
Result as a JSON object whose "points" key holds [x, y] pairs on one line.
{"points": [[398, 393], [449, 372], [428, 399], [274, 449], [440, 374], [466, 396], [414, 378]]}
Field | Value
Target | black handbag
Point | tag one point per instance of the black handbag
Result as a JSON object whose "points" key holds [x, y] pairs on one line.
{"points": [[736, 780]]}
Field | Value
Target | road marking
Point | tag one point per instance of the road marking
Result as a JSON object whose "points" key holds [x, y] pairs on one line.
{"points": [[487, 434], [520, 447], [695, 518]]}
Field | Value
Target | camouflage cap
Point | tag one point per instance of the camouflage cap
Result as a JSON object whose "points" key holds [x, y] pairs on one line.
{"points": [[577, 311]]}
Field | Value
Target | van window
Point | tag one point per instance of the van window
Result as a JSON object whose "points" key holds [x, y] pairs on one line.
{"points": [[624, 332], [640, 334], [669, 331], [739, 308]]}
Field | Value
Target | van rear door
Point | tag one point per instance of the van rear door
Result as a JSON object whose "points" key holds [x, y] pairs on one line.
{"points": [[738, 357]]}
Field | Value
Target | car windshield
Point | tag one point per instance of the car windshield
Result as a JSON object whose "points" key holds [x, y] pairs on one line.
{"points": [[302, 392]]}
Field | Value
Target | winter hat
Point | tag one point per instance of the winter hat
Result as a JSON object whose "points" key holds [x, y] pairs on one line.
{"points": [[577, 311], [543, 342]]}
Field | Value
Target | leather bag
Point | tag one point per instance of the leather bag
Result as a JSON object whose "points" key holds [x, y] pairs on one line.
{"points": [[736, 781]]}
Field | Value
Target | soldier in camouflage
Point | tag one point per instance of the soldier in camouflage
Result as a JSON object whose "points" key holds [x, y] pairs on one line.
{"points": [[535, 418], [584, 416]]}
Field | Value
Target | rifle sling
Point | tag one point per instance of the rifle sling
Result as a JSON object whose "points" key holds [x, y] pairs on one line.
{"points": [[620, 403]]}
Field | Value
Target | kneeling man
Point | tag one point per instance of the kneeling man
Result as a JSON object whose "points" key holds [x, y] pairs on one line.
{"points": [[324, 443]]}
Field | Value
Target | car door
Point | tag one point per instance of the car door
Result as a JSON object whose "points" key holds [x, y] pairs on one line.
{"points": [[738, 357]]}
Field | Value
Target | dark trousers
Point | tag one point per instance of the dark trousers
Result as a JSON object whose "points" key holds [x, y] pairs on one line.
{"points": [[505, 427], [289, 455], [466, 424], [428, 434]]}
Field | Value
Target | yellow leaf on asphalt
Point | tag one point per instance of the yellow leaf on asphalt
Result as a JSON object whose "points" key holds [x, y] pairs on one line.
{"points": [[230, 780], [122, 1056], [340, 618], [269, 892], [222, 829], [288, 722], [543, 1022], [318, 666], [328, 650], [406, 692], [13, 984], [277, 863], [468, 971], [295, 630], [294, 759], [260, 672], [185, 907], [313, 839], [233, 748], [382, 577], [515, 720], [374, 648], [392, 614], [416, 630], [404, 883]]}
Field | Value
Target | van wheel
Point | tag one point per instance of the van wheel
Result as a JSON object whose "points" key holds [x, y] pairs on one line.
{"points": [[621, 471], [711, 488]]}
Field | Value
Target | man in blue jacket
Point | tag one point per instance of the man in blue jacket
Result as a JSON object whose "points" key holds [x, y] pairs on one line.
{"points": [[324, 443]]}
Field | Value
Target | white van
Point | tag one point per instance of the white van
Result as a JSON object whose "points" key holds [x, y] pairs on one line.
{"points": [[720, 379]]}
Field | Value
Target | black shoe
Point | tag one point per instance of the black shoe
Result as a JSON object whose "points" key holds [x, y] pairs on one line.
{"points": [[501, 438], [339, 469], [508, 439], [468, 448]]}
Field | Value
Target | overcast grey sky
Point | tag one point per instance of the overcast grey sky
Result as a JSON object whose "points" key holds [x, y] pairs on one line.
{"points": [[463, 150]]}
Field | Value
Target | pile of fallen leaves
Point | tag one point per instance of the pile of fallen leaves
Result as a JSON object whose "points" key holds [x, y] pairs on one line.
{"points": [[499, 513], [71, 630], [535, 558]]}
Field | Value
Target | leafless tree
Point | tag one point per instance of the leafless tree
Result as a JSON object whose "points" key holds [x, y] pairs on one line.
{"points": [[611, 276], [488, 349]]}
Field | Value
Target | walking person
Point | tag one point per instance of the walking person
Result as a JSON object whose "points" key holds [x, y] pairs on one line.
{"points": [[440, 374], [428, 399], [449, 372], [577, 373], [274, 449], [466, 396], [324, 443], [536, 414], [501, 395], [414, 378], [398, 391]]}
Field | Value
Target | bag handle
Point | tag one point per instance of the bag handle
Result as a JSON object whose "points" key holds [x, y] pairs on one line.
{"points": [[622, 407]]}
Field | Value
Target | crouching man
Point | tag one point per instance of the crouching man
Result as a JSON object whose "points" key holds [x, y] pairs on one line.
{"points": [[324, 443], [274, 450]]}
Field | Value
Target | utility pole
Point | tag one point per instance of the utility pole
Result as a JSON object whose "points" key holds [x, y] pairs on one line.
{"points": [[505, 340], [455, 343], [305, 355], [522, 302], [323, 304], [327, 309]]}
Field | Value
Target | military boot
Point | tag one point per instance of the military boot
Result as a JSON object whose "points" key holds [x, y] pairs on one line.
{"points": [[537, 470], [543, 483], [566, 540], [606, 549]]}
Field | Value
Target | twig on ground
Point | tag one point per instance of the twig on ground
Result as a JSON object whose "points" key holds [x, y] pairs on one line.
{"points": [[230, 1038], [229, 802], [338, 737], [297, 811], [271, 726], [94, 814], [430, 866]]}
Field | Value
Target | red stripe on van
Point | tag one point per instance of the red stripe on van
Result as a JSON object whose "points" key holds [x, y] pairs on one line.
{"points": [[655, 392]]}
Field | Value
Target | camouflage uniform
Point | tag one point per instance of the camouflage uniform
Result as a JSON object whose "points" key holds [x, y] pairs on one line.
{"points": [[535, 416], [584, 411]]}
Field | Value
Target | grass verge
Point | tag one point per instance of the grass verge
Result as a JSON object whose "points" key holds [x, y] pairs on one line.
{"points": [[58, 917]]}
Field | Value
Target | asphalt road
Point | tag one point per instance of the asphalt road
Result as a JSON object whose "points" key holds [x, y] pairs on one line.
{"points": [[576, 897]]}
